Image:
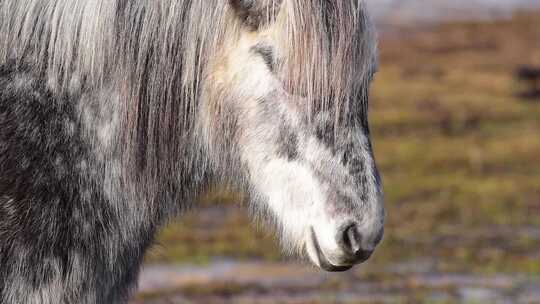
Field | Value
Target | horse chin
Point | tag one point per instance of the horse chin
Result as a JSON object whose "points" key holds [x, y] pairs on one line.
{"points": [[318, 257]]}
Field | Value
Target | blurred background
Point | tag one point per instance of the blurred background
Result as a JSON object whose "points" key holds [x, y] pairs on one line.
{"points": [[455, 119]]}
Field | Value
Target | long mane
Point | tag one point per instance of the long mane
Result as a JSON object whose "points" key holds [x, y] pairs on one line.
{"points": [[154, 53], [151, 53]]}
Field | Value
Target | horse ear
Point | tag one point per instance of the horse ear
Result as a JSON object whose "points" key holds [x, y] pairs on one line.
{"points": [[256, 13]]}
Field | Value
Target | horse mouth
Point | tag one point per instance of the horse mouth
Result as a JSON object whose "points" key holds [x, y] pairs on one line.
{"points": [[317, 256]]}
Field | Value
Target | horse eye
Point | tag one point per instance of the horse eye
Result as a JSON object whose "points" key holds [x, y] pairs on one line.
{"points": [[267, 53]]}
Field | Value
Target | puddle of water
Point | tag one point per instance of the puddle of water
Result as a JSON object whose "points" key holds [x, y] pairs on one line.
{"points": [[261, 282], [161, 277]]}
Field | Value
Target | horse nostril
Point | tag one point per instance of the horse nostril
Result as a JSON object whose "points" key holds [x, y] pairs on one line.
{"points": [[352, 239], [352, 245]]}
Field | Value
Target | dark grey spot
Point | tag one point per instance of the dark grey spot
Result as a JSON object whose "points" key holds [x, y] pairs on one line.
{"points": [[288, 143], [324, 130], [356, 166], [267, 53]]}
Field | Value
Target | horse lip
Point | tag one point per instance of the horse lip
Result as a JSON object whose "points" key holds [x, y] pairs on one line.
{"points": [[322, 260]]}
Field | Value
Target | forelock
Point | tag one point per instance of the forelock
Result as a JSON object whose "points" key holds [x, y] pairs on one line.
{"points": [[331, 54]]}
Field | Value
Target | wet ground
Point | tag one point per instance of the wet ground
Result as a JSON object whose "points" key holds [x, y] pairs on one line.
{"points": [[262, 282]]}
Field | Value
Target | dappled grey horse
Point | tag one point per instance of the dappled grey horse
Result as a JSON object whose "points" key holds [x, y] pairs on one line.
{"points": [[115, 115]]}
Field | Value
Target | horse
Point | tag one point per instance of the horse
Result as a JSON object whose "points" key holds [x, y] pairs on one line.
{"points": [[116, 115]]}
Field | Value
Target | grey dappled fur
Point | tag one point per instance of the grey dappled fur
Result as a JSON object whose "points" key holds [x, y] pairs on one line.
{"points": [[101, 139]]}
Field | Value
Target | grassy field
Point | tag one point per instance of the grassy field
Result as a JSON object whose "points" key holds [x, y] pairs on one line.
{"points": [[458, 149], [459, 152]]}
